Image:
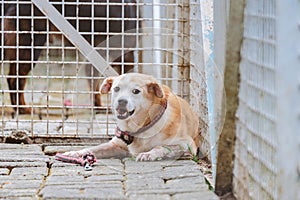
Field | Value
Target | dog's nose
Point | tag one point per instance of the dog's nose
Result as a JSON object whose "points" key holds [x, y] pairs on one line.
{"points": [[122, 102]]}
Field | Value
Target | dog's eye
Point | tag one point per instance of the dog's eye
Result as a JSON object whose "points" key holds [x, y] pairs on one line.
{"points": [[135, 91], [116, 89]]}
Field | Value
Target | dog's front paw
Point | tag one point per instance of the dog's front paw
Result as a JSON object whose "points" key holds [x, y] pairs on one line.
{"points": [[148, 156]]}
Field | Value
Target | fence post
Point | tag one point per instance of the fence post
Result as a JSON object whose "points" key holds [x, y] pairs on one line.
{"points": [[225, 154]]}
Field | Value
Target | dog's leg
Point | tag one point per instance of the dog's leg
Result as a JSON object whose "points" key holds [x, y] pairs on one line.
{"points": [[15, 53], [94, 83], [115, 148], [168, 152], [17, 84]]}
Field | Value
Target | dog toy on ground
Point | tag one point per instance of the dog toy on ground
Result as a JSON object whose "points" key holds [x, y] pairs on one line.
{"points": [[86, 160]]}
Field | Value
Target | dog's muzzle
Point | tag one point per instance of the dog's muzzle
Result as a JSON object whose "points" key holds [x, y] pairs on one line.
{"points": [[121, 111]]}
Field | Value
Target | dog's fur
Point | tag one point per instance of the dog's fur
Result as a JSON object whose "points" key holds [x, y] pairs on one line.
{"points": [[39, 37], [136, 100]]}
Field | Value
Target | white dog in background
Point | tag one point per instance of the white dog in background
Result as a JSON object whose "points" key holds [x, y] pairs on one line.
{"points": [[152, 122]]}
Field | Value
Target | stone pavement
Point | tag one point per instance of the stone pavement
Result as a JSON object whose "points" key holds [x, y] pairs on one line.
{"points": [[26, 172]]}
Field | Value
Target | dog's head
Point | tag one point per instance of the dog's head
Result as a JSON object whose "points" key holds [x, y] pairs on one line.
{"points": [[136, 98]]}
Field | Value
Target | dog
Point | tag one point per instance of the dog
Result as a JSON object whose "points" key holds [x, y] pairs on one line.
{"points": [[23, 37], [152, 122]]}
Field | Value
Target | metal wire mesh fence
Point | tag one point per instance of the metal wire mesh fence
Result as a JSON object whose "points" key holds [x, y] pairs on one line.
{"points": [[50, 89], [255, 169], [60, 96]]}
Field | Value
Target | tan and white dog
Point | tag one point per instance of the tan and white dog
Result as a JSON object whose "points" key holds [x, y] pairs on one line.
{"points": [[152, 122]]}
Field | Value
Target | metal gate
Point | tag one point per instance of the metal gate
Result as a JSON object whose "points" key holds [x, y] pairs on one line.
{"points": [[54, 55]]}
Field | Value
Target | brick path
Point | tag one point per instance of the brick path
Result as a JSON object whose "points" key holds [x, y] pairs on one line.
{"points": [[27, 173]]}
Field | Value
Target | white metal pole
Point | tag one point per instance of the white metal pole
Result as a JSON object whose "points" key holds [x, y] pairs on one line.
{"points": [[288, 113], [157, 39]]}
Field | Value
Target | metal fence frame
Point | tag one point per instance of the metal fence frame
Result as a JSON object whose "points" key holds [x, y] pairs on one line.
{"points": [[171, 59]]}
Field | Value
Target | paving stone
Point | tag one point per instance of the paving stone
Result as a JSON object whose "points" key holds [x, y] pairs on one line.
{"points": [[50, 150], [107, 193], [130, 162], [24, 198], [13, 153], [19, 148], [108, 169], [22, 164], [113, 164], [175, 174], [184, 162], [183, 168], [24, 158], [86, 184], [149, 197], [139, 183], [207, 195], [21, 193], [4, 171], [178, 184], [199, 180], [65, 180], [109, 162], [87, 193], [25, 171], [23, 184], [70, 170], [27, 177], [180, 171], [97, 170], [157, 165], [166, 175], [56, 163], [143, 176], [170, 191], [162, 169], [105, 178], [142, 168]]}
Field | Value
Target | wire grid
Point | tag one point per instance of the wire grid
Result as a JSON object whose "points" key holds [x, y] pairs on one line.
{"points": [[256, 142], [62, 86]]}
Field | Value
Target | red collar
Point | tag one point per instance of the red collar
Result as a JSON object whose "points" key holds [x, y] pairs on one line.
{"points": [[128, 137]]}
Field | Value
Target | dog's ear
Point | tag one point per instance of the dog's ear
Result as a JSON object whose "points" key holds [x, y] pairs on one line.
{"points": [[155, 89], [106, 85]]}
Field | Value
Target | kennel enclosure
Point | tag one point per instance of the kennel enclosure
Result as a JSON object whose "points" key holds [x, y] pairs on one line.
{"points": [[65, 69]]}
